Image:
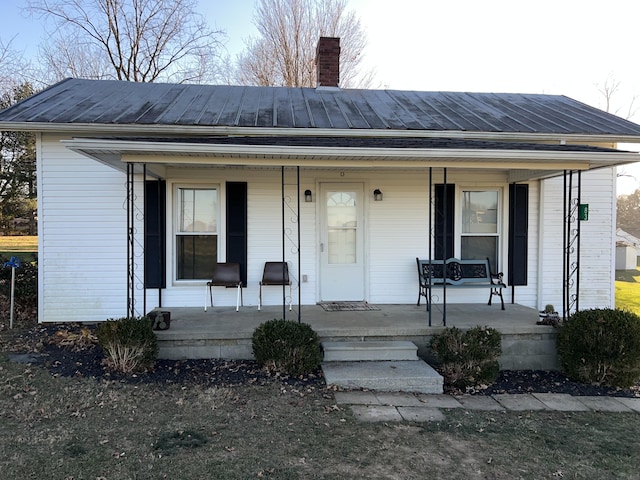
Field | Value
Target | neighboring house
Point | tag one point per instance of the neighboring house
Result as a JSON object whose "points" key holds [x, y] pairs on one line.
{"points": [[627, 247], [143, 187]]}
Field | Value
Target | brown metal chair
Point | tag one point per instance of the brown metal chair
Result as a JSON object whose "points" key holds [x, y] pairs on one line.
{"points": [[275, 273], [225, 275]]}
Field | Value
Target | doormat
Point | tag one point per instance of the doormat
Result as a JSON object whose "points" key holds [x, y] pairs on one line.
{"points": [[347, 306]]}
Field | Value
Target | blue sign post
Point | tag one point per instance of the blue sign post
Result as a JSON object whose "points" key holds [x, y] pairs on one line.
{"points": [[13, 263]]}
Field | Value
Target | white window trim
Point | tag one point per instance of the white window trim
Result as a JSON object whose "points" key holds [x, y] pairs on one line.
{"points": [[174, 227], [457, 247]]}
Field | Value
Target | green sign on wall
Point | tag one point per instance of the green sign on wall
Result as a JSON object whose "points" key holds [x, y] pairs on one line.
{"points": [[583, 211]]}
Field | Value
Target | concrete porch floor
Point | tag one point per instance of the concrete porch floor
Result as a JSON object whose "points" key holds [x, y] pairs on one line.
{"points": [[221, 332]]}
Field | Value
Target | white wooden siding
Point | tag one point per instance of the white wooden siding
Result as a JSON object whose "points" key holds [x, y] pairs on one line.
{"points": [[82, 237], [83, 241], [597, 241]]}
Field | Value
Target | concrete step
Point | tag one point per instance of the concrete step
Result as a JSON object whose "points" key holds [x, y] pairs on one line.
{"points": [[385, 376], [369, 351]]}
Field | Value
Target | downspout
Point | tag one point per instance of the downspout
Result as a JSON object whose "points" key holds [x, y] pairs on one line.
{"points": [[430, 232], [299, 253], [284, 298], [444, 250], [565, 279], [144, 233]]}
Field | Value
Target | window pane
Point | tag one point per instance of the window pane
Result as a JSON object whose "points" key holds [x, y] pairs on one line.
{"points": [[197, 209], [480, 212], [196, 256], [479, 248]]}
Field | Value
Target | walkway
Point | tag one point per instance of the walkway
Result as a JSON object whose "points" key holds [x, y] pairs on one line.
{"points": [[389, 407]]}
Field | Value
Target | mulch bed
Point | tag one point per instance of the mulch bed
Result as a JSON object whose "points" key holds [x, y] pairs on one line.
{"points": [[34, 346]]}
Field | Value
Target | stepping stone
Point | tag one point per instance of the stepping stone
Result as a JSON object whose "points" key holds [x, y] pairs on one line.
{"points": [[562, 402], [391, 376], [421, 414], [604, 404], [398, 399], [439, 401], [25, 358], [520, 402], [376, 413], [356, 398], [632, 403], [479, 402]]}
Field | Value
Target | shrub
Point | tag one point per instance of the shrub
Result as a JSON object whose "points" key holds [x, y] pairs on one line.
{"points": [[129, 344], [601, 346], [26, 288], [289, 347], [468, 358]]}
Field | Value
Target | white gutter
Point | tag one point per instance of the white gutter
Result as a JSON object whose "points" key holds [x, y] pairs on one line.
{"points": [[196, 153], [185, 130]]}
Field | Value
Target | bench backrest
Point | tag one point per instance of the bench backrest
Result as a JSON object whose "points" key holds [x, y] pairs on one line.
{"points": [[457, 271]]}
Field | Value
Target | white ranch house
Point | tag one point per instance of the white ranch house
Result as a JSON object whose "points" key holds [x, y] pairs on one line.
{"points": [[144, 187]]}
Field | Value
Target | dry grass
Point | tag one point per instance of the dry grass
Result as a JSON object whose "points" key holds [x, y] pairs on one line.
{"points": [[82, 428], [12, 245]]}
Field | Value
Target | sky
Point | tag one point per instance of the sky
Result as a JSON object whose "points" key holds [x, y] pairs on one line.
{"points": [[567, 47]]}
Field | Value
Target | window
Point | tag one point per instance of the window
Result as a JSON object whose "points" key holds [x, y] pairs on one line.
{"points": [[196, 232], [342, 227], [480, 225]]}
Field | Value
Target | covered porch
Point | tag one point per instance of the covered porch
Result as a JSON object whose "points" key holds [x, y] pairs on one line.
{"points": [[516, 203], [221, 332]]}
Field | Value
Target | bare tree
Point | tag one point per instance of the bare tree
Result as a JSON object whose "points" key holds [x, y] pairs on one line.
{"points": [[284, 53], [17, 168], [63, 57], [135, 40], [611, 88], [12, 66]]}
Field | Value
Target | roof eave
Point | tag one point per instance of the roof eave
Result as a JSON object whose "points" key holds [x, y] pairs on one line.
{"points": [[199, 130], [277, 155]]}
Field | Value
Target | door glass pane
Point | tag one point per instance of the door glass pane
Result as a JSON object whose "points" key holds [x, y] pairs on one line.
{"points": [[342, 224], [479, 248], [480, 212]]}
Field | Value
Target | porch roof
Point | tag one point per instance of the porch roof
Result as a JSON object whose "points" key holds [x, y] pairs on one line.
{"points": [[523, 161]]}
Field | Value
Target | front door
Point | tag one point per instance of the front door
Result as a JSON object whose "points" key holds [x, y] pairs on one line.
{"points": [[342, 242]]}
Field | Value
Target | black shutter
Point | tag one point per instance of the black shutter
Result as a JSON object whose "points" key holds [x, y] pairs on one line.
{"points": [[154, 234], [237, 226], [444, 239], [518, 233]]}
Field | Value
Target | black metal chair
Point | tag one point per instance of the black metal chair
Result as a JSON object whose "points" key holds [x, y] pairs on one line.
{"points": [[225, 275], [275, 273]]}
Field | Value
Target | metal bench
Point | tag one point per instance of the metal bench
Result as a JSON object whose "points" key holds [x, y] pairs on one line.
{"points": [[456, 273]]}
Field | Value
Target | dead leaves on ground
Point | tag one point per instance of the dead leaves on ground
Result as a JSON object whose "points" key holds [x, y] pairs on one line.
{"points": [[76, 341]]}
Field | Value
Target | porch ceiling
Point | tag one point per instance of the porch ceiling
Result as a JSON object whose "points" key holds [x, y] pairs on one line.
{"points": [[523, 161]]}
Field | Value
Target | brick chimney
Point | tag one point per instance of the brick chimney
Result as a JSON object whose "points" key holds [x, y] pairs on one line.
{"points": [[328, 62]]}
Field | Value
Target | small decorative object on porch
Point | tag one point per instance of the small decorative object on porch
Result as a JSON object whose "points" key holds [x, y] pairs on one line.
{"points": [[161, 320], [13, 263], [549, 316]]}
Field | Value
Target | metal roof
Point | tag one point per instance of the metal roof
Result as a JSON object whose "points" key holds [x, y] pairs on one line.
{"points": [[366, 142], [79, 102]]}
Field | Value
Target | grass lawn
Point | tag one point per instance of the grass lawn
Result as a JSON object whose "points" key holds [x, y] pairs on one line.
{"points": [[18, 246], [63, 428], [628, 290]]}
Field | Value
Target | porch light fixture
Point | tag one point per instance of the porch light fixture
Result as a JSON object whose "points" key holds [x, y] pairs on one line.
{"points": [[307, 196], [377, 195]]}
